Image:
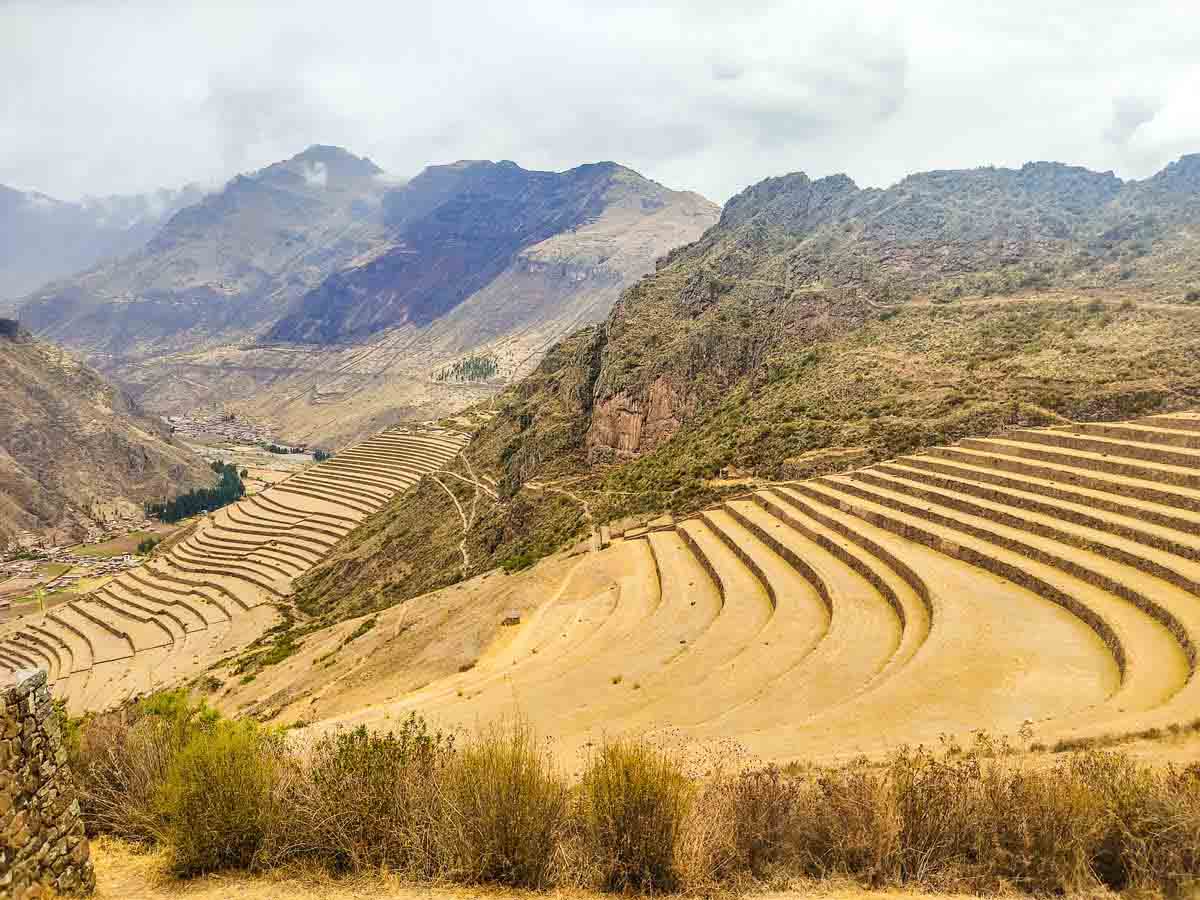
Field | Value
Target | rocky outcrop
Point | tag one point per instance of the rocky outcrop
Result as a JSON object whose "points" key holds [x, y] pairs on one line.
{"points": [[625, 425], [42, 842]]}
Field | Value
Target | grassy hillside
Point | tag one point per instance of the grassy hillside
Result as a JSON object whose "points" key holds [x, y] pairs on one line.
{"points": [[816, 327], [902, 379]]}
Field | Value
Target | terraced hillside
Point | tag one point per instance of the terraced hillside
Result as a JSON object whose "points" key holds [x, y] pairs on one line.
{"points": [[1040, 577], [217, 590]]}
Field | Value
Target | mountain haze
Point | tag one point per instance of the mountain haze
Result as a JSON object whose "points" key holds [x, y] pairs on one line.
{"points": [[222, 268], [45, 238]]}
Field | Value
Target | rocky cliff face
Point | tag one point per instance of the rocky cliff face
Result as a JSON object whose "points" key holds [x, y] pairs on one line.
{"points": [[42, 239], [223, 268], [74, 448]]}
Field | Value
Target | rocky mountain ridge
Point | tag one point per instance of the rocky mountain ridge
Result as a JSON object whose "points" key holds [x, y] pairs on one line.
{"points": [[224, 268], [454, 229]]}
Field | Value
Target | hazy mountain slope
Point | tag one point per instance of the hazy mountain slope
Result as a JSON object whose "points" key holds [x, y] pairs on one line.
{"points": [[456, 229], [42, 238], [224, 268], [817, 327], [481, 260], [73, 447]]}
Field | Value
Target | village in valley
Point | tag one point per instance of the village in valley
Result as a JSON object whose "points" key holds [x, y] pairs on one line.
{"points": [[53, 567]]}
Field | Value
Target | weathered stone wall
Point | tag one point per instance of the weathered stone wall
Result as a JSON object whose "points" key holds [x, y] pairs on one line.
{"points": [[42, 843]]}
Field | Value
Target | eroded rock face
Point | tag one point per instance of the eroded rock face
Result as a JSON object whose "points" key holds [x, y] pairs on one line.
{"points": [[627, 425]]}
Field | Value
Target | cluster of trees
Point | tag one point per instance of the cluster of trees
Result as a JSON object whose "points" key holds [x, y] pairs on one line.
{"points": [[473, 368], [276, 448], [321, 455], [228, 489]]}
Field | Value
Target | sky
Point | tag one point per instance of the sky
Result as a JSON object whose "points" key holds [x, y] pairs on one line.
{"points": [[118, 97]]}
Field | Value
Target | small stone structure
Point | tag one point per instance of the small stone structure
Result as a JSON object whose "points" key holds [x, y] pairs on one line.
{"points": [[42, 843]]}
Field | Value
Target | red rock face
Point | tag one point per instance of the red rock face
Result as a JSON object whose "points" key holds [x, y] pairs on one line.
{"points": [[625, 425]]}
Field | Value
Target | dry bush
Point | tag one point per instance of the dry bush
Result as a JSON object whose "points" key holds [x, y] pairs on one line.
{"points": [[1151, 838], [633, 803], [390, 781], [215, 803], [761, 806], [845, 822], [982, 821], [120, 761], [502, 810], [495, 810]]}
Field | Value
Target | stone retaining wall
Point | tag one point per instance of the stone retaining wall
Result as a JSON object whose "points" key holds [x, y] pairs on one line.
{"points": [[42, 843]]}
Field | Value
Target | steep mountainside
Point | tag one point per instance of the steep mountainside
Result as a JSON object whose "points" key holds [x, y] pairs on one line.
{"points": [[817, 327], [481, 267], [44, 238], [225, 268], [457, 228], [72, 447]]}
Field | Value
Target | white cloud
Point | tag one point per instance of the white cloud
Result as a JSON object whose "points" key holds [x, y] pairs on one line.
{"points": [[123, 96], [316, 174]]}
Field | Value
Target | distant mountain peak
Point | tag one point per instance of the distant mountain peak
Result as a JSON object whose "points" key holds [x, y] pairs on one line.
{"points": [[339, 158]]}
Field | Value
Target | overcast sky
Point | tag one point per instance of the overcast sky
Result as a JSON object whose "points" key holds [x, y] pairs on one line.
{"points": [[104, 97]]}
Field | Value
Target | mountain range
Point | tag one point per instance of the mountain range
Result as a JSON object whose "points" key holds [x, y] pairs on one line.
{"points": [[223, 268], [331, 300], [45, 238]]}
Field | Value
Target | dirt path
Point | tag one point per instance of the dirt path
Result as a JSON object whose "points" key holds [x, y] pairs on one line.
{"points": [[466, 523], [122, 874]]}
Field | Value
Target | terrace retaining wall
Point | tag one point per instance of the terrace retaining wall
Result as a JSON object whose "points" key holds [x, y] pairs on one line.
{"points": [[42, 841]]}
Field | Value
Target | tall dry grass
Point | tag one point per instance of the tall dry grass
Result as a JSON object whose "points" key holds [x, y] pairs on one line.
{"points": [[494, 809], [501, 809], [631, 806]]}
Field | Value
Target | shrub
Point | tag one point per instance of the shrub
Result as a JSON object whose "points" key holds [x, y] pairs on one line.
{"points": [[390, 783], [120, 760], [761, 808], [503, 808], [215, 804], [632, 804]]}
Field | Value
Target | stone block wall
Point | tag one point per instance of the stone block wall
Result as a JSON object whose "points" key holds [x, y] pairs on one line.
{"points": [[42, 843]]}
